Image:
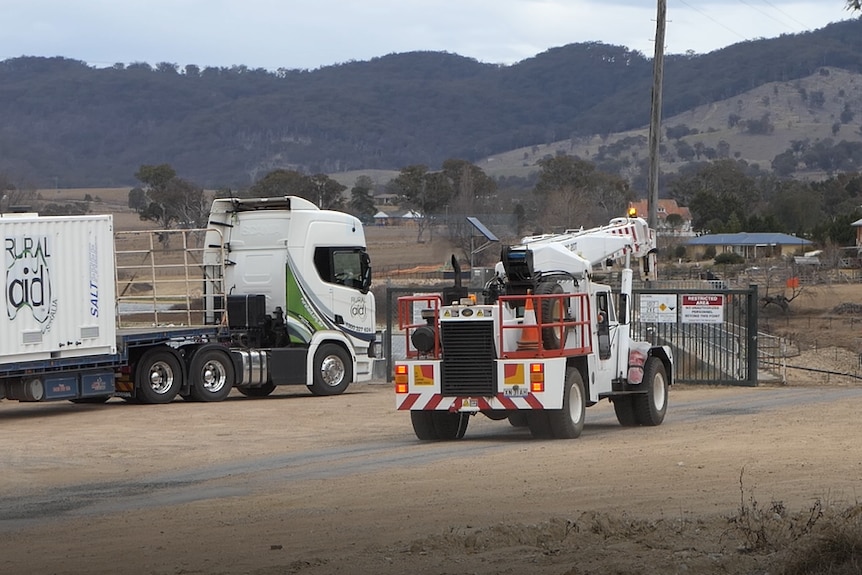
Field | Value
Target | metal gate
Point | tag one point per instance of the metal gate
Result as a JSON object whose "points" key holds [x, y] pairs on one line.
{"points": [[712, 332]]}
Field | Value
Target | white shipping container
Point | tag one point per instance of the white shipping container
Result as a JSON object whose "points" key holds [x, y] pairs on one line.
{"points": [[58, 287]]}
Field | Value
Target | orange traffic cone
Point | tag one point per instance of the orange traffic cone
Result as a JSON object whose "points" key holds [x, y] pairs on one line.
{"points": [[530, 332]]}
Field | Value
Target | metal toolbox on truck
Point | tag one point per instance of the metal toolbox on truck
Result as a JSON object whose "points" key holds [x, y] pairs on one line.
{"points": [[58, 296]]}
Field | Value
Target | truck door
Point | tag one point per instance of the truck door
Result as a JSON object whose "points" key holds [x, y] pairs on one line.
{"points": [[606, 338], [347, 273]]}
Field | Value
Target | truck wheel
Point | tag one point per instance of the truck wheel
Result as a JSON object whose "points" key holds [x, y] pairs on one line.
{"points": [[540, 426], [212, 376], [423, 425], [567, 423], [159, 376], [450, 426], [518, 419], [624, 407], [550, 313], [437, 425], [260, 391], [332, 370], [651, 406]]}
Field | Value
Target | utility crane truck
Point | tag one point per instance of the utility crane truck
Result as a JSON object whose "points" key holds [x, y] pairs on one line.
{"points": [[546, 342]]}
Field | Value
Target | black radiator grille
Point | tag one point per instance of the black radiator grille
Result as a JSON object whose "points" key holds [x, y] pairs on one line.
{"points": [[468, 358]]}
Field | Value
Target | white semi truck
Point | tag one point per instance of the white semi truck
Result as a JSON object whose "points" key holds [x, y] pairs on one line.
{"points": [[274, 292], [546, 343]]}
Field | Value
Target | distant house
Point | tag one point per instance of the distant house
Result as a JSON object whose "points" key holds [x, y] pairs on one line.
{"points": [[680, 227], [858, 225], [752, 245], [381, 218]]}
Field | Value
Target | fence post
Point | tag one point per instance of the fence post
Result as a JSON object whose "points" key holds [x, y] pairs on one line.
{"points": [[752, 335]]}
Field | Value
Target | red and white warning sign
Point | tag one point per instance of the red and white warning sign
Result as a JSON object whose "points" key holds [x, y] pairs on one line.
{"points": [[702, 308]]}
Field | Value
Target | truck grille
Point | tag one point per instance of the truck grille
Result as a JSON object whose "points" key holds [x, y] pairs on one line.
{"points": [[468, 358]]}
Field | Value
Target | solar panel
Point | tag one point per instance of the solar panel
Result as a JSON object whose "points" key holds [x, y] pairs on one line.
{"points": [[489, 235]]}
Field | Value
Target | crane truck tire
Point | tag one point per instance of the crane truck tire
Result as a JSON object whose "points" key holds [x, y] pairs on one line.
{"points": [[158, 376], [650, 407], [439, 425], [332, 370], [568, 423], [550, 313], [212, 375], [539, 424], [624, 408]]}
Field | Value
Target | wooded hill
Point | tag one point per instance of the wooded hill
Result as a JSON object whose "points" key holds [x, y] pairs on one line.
{"points": [[65, 123]]}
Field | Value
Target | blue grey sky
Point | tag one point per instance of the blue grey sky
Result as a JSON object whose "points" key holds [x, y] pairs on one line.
{"points": [[307, 34]]}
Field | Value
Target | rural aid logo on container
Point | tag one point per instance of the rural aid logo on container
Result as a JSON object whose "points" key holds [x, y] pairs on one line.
{"points": [[28, 279]]}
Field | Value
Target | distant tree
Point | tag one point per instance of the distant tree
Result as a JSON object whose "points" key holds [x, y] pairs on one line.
{"points": [[427, 193], [715, 192], [679, 131], [573, 193], [171, 201], [279, 183], [325, 192], [473, 193], [784, 164], [137, 199], [361, 199]]}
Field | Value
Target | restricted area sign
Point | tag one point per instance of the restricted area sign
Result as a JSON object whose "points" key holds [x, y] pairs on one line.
{"points": [[702, 308], [658, 307]]}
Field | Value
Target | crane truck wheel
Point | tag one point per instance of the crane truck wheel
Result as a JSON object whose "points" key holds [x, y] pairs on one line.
{"points": [[332, 370], [260, 391], [650, 407], [212, 375], [539, 424], [517, 419], [158, 376], [551, 313], [624, 407], [568, 423], [437, 425], [423, 425]]}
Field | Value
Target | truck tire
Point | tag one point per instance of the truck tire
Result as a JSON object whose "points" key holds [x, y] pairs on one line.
{"points": [[260, 391], [539, 424], [212, 375], [550, 313], [518, 418], [624, 407], [158, 376], [568, 423], [650, 407], [450, 426], [332, 370], [439, 425], [423, 425]]}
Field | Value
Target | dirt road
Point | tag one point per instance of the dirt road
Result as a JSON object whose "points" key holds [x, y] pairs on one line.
{"points": [[314, 485]]}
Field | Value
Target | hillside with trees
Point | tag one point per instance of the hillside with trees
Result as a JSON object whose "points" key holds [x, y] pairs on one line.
{"points": [[65, 123]]}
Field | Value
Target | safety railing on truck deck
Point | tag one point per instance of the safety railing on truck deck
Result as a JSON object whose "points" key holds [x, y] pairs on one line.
{"points": [[545, 329], [429, 314], [163, 279], [543, 326]]}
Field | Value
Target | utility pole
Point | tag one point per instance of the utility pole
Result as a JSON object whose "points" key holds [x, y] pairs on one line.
{"points": [[655, 115]]}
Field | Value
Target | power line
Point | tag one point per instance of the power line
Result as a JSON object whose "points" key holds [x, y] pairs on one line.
{"points": [[802, 24], [767, 14], [701, 12]]}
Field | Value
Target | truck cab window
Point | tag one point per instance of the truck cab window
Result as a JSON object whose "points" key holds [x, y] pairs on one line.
{"points": [[344, 266]]}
